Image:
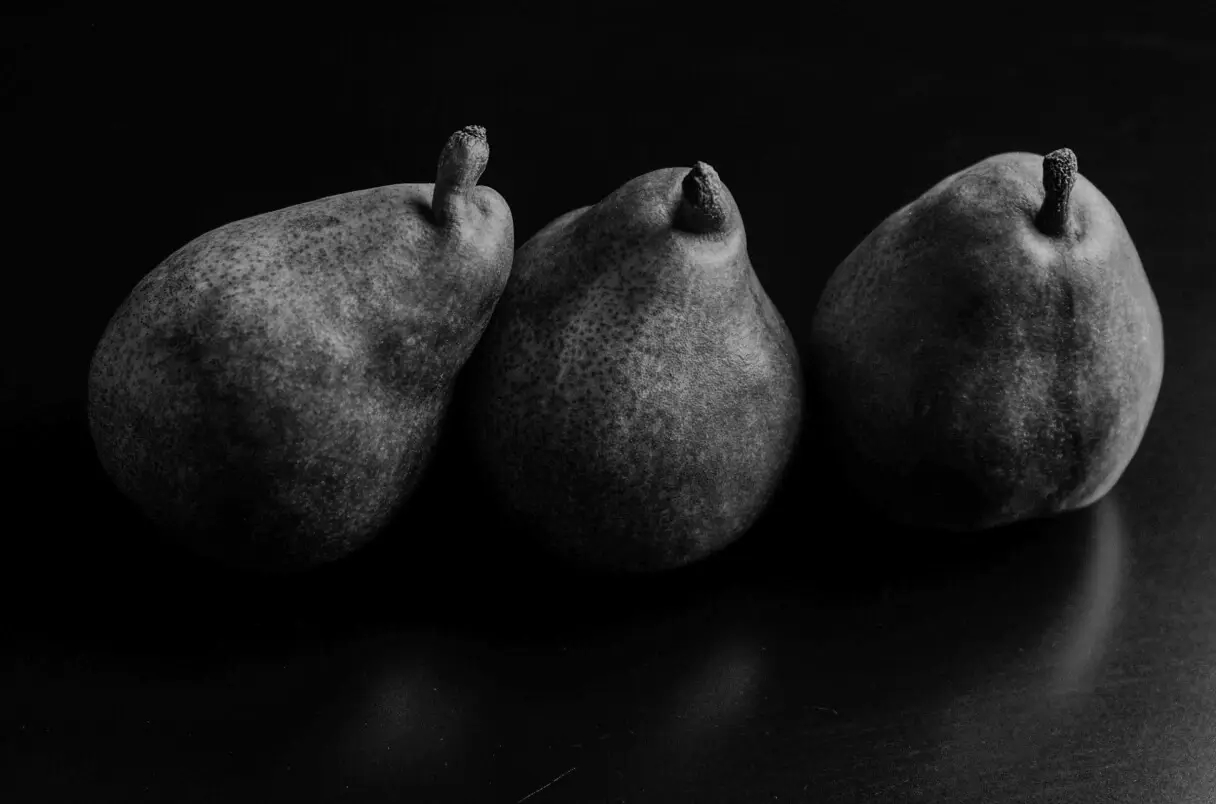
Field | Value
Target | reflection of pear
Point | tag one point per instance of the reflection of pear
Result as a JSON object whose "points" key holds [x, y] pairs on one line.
{"points": [[405, 716], [703, 713], [1005, 725], [722, 690], [1092, 616]]}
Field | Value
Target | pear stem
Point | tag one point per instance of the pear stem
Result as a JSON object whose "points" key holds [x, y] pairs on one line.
{"points": [[461, 164], [1059, 176], [704, 208]]}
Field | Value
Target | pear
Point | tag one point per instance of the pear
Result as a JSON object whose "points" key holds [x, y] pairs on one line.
{"points": [[271, 393], [637, 396], [992, 352]]}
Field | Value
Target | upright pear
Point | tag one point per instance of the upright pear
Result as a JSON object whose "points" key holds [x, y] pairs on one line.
{"points": [[271, 393], [637, 396], [992, 351]]}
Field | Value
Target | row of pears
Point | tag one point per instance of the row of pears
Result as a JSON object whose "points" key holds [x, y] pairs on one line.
{"points": [[272, 392]]}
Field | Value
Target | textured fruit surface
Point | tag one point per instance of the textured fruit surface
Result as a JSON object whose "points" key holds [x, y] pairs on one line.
{"points": [[272, 391], [637, 395], [976, 370]]}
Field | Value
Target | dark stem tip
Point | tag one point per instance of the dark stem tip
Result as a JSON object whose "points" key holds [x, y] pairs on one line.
{"points": [[1059, 176], [461, 163], [704, 208]]}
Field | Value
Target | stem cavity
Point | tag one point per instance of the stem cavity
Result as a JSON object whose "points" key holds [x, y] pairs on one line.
{"points": [[704, 208], [461, 164], [1059, 176]]}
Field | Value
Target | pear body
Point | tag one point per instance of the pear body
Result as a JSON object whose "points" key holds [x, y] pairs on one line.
{"points": [[975, 371], [636, 396], [272, 391]]}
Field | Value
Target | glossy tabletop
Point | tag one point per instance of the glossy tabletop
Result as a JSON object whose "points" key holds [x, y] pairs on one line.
{"points": [[825, 657]]}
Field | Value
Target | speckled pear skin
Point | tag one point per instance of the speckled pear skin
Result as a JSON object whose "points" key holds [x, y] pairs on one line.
{"points": [[271, 392], [637, 396], [976, 370]]}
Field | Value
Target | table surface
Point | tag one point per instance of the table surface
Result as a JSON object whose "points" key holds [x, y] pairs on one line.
{"points": [[824, 657]]}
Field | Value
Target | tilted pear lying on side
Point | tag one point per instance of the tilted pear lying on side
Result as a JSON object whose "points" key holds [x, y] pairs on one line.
{"points": [[991, 352], [272, 391], [636, 396]]}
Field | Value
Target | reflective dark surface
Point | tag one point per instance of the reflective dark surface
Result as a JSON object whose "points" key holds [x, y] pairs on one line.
{"points": [[824, 657]]}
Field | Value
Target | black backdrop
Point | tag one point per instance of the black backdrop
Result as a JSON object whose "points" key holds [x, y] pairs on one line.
{"points": [[824, 657]]}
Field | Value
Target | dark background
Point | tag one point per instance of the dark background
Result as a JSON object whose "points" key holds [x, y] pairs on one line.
{"points": [[824, 657]]}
